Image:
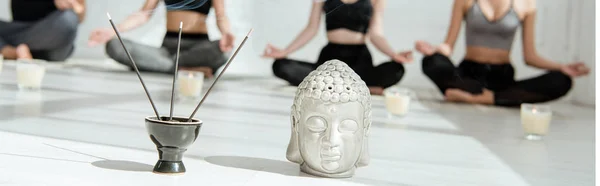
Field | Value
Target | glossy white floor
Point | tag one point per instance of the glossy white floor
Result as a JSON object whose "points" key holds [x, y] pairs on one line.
{"points": [[86, 128]]}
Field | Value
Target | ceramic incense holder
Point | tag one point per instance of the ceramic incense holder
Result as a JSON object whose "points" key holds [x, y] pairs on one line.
{"points": [[172, 138], [331, 117]]}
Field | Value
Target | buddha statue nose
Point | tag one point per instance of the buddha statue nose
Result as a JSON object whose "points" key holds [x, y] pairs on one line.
{"points": [[331, 140]]}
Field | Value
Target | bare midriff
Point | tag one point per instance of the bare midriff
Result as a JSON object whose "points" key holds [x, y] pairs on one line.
{"points": [[193, 22], [345, 36], [488, 55]]}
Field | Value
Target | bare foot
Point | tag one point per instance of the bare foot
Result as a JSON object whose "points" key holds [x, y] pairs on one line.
{"points": [[23, 52], [9, 52], [457, 95], [376, 90], [425, 48], [208, 72]]}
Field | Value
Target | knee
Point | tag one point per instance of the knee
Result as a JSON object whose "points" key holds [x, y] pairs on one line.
{"points": [[220, 61], [60, 56], [396, 68], [562, 82], [69, 19], [279, 67], [435, 64], [400, 71], [114, 49], [65, 27]]}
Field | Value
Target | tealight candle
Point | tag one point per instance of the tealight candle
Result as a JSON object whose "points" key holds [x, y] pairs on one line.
{"points": [[535, 120], [190, 84], [30, 74], [397, 101]]}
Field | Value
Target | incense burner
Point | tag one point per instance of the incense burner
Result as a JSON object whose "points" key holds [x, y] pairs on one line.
{"points": [[172, 138], [331, 117]]}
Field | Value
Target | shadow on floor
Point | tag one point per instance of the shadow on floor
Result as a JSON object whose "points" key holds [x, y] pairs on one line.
{"points": [[257, 164], [112, 164], [502, 134], [123, 165]]}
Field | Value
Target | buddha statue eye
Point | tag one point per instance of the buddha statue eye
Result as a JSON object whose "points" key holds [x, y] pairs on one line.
{"points": [[316, 124], [348, 126]]}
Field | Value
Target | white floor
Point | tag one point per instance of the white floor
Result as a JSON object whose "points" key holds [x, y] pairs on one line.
{"points": [[86, 128]]}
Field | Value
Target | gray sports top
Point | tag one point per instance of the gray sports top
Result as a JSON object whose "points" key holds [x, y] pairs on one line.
{"points": [[497, 34]]}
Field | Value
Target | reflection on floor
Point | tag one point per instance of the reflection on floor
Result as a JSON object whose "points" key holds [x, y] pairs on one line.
{"points": [[86, 128]]}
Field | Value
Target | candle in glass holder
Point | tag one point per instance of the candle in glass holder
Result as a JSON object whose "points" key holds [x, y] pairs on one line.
{"points": [[535, 120], [397, 101], [189, 84], [1, 62], [30, 74]]}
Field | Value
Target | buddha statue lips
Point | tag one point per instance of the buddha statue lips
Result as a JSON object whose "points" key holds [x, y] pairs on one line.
{"points": [[331, 117], [330, 158], [330, 155]]}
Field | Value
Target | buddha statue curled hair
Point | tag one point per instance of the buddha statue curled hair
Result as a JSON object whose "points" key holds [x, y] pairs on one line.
{"points": [[331, 117]]}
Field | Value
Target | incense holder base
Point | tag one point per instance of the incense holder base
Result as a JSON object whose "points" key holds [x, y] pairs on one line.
{"points": [[169, 167], [172, 138]]}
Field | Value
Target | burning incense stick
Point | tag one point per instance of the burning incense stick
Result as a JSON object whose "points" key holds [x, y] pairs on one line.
{"points": [[176, 67], [219, 76], [134, 66]]}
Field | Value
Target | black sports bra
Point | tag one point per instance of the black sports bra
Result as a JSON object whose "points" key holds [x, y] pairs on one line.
{"points": [[31, 10], [200, 6], [354, 16]]}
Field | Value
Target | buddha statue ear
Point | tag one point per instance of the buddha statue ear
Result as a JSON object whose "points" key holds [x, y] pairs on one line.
{"points": [[293, 150], [365, 156]]}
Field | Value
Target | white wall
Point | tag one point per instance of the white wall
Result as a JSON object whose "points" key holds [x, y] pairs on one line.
{"points": [[583, 48], [407, 21], [279, 21]]}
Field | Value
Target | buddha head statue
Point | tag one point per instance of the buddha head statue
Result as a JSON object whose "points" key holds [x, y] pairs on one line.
{"points": [[331, 117]]}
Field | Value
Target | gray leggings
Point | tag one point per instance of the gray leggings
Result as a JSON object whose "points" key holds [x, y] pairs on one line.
{"points": [[196, 51], [51, 38]]}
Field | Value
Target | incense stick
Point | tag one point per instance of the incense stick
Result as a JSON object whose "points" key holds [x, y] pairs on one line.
{"points": [[176, 67], [134, 66], [219, 76]]}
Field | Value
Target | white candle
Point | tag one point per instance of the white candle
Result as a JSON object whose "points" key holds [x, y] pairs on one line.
{"points": [[397, 102], [30, 75], [190, 84], [1, 62], [535, 119]]}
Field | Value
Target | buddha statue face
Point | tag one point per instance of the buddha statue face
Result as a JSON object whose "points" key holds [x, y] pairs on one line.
{"points": [[330, 122]]}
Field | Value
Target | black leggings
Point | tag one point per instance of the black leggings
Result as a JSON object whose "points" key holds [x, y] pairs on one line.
{"points": [[357, 57], [473, 77]]}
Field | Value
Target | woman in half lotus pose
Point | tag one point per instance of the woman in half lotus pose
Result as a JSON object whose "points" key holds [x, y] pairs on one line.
{"points": [[349, 23], [41, 29], [486, 75], [197, 51]]}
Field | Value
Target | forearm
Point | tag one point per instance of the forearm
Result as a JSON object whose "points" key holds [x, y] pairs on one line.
{"points": [[133, 21], [306, 35], [445, 49], [382, 45], [81, 16], [223, 24], [79, 9], [539, 62]]}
